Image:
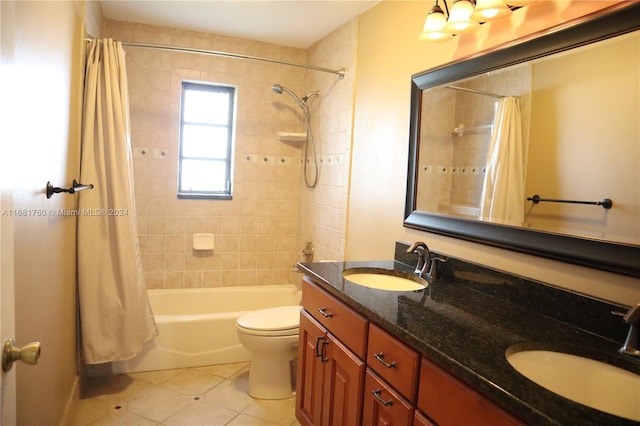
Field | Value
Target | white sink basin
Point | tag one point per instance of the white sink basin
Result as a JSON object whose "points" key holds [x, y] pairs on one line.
{"points": [[583, 380], [383, 279]]}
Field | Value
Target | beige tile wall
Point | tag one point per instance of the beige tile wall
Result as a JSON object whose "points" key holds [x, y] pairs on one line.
{"points": [[256, 233], [323, 211]]}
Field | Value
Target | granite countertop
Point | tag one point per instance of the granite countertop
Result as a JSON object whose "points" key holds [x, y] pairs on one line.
{"points": [[466, 321]]}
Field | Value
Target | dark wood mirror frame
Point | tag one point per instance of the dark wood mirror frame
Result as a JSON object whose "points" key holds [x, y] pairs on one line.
{"points": [[599, 254]]}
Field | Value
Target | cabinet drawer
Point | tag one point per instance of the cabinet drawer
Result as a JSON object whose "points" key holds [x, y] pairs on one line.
{"points": [[448, 401], [383, 405], [338, 318], [394, 361]]}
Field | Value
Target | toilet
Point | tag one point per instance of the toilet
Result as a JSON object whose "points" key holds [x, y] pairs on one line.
{"points": [[271, 335]]}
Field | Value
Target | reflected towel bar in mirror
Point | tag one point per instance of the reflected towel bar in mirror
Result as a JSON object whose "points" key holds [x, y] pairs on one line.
{"points": [[606, 203], [75, 187]]}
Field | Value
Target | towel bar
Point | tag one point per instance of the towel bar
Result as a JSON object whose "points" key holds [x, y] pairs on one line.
{"points": [[75, 187], [605, 203]]}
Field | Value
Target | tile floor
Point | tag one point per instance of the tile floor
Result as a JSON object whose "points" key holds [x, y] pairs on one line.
{"points": [[200, 396]]}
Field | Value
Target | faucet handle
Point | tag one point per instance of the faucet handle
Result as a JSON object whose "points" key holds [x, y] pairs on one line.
{"points": [[631, 345], [633, 315], [433, 268]]}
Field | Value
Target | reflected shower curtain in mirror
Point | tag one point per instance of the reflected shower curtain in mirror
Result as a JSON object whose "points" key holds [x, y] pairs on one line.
{"points": [[115, 315], [502, 198]]}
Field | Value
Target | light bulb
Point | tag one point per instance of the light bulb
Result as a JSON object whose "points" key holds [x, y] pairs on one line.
{"points": [[488, 10], [434, 26], [521, 2], [460, 21]]}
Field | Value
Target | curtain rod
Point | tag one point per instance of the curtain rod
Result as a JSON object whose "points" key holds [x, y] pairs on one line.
{"points": [[340, 73], [478, 92]]}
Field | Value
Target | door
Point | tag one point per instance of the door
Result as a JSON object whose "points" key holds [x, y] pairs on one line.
{"points": [[7, 310], [8, 379]]}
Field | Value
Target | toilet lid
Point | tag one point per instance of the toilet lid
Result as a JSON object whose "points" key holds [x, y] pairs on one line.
{"points": [[272, 319]]}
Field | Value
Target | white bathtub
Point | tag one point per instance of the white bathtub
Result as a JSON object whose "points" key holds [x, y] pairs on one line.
{"points": [[198, 326]]}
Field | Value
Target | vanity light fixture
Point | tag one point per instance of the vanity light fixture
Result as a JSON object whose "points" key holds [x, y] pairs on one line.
{"points": [[490, 10], [460, 21], [465, 16], [434, 24]]}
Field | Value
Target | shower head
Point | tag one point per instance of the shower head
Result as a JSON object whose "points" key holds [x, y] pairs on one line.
{"points": [[279, 88]]}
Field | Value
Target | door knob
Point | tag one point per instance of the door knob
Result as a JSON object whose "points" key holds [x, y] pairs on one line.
{"points": [[29, 354]]}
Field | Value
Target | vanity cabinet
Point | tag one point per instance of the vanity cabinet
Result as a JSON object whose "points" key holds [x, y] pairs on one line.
{"points": [[448, 401], [330, 378], [421, 420], [352, 372]]}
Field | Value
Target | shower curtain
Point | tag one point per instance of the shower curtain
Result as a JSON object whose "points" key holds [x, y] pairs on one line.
{"points": [[502, 198], [115, 315]]}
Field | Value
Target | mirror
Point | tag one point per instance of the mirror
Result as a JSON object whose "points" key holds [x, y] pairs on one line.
{"points": [[577, 117]]}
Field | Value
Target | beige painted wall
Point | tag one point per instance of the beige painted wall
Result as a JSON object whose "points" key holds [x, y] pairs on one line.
{"points": [[388, 54], [41, 56], [587, 162]]}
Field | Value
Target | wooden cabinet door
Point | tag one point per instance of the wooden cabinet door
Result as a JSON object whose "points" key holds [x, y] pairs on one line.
{"points": [[310, 371], [343, 385], [422, 420], [330, 378]]}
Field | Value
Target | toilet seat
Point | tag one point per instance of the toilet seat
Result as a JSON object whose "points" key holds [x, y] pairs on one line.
{"points": [[279, 321]]}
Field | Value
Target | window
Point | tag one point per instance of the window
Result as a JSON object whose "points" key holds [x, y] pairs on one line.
{"points": [[206, 141]]}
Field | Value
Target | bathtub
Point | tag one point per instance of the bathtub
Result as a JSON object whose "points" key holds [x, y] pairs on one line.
{"points": [[198, 326]]}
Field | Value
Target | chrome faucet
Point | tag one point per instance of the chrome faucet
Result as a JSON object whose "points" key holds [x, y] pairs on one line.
{"points": [[632, 317], [422, 251]]}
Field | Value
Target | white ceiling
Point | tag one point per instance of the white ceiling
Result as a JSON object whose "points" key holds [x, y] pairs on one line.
{"points": [[294, 23]]}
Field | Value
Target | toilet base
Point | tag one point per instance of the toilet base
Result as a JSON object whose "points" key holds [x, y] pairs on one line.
{"points": [[271, 380]]}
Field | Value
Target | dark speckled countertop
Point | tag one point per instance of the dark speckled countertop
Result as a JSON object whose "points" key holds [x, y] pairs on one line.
{"points": [[467, 319]]}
